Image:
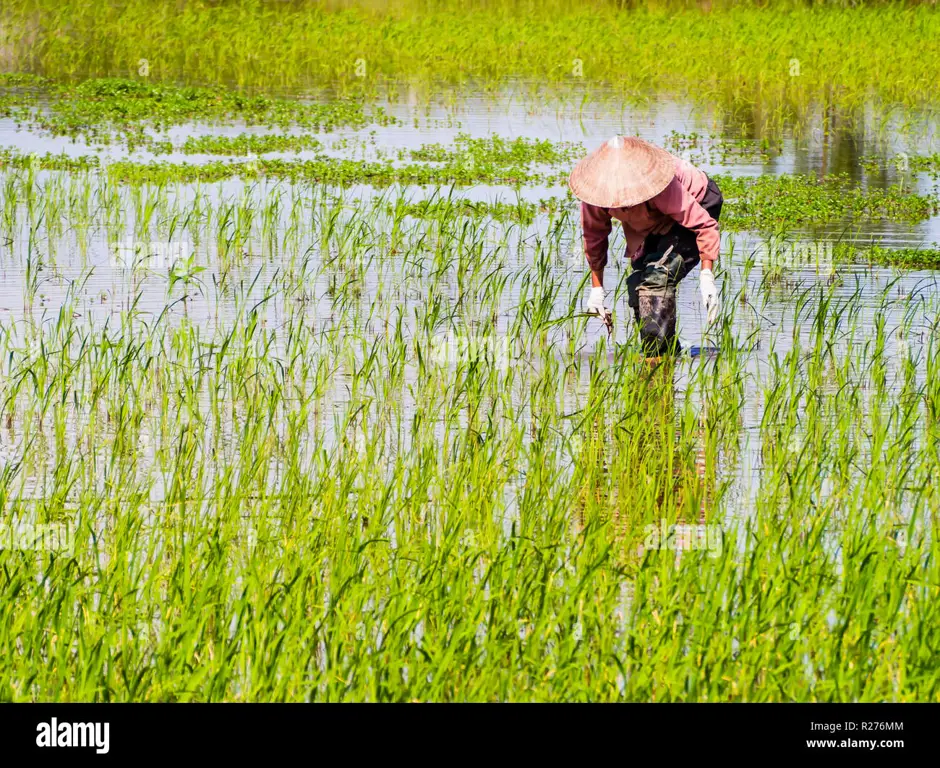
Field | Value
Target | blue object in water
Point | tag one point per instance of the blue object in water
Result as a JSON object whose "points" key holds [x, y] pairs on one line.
{"points": [[703, 351]]}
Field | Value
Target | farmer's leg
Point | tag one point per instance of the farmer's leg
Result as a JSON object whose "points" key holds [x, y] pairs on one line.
{"points": [[652, 295], [653, 273]]}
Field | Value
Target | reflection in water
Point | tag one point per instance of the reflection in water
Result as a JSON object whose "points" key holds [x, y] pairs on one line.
{"points": [[651, 474]]}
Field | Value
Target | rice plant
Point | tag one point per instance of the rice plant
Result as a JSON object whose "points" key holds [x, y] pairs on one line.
{"points": [[301, 416]]}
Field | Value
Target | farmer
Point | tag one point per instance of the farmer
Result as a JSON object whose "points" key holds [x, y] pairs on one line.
{"points": [[669, 211]]}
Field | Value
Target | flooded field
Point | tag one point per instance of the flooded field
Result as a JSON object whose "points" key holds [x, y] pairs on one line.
{"points": [[300, 399]]}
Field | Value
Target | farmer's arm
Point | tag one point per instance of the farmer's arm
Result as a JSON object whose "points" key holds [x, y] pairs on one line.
{"points": [[595, 223], [676, 201]]}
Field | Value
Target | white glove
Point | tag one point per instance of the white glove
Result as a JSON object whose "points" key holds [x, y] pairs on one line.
{"points": [[596, 304], [709, 295]]}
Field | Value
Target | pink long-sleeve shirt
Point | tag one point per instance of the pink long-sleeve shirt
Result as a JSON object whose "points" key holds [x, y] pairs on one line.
{"points": [[678, 202]]}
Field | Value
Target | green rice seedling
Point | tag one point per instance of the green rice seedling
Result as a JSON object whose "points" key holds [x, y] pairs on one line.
{"points": [[103, 109], [359, 443], [770, 73], [783, 203], [906, 258], [404, 534], [519, 152], [247, 144]]}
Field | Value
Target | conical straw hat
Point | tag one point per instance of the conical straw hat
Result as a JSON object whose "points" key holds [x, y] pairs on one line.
{"points": [[622, 172]]}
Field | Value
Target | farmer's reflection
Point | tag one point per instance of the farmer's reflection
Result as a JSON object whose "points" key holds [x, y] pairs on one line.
{"points": [[651, 470]]}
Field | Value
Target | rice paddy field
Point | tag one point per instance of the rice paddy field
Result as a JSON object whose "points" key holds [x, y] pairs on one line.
{"points": [[299, 399]]}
